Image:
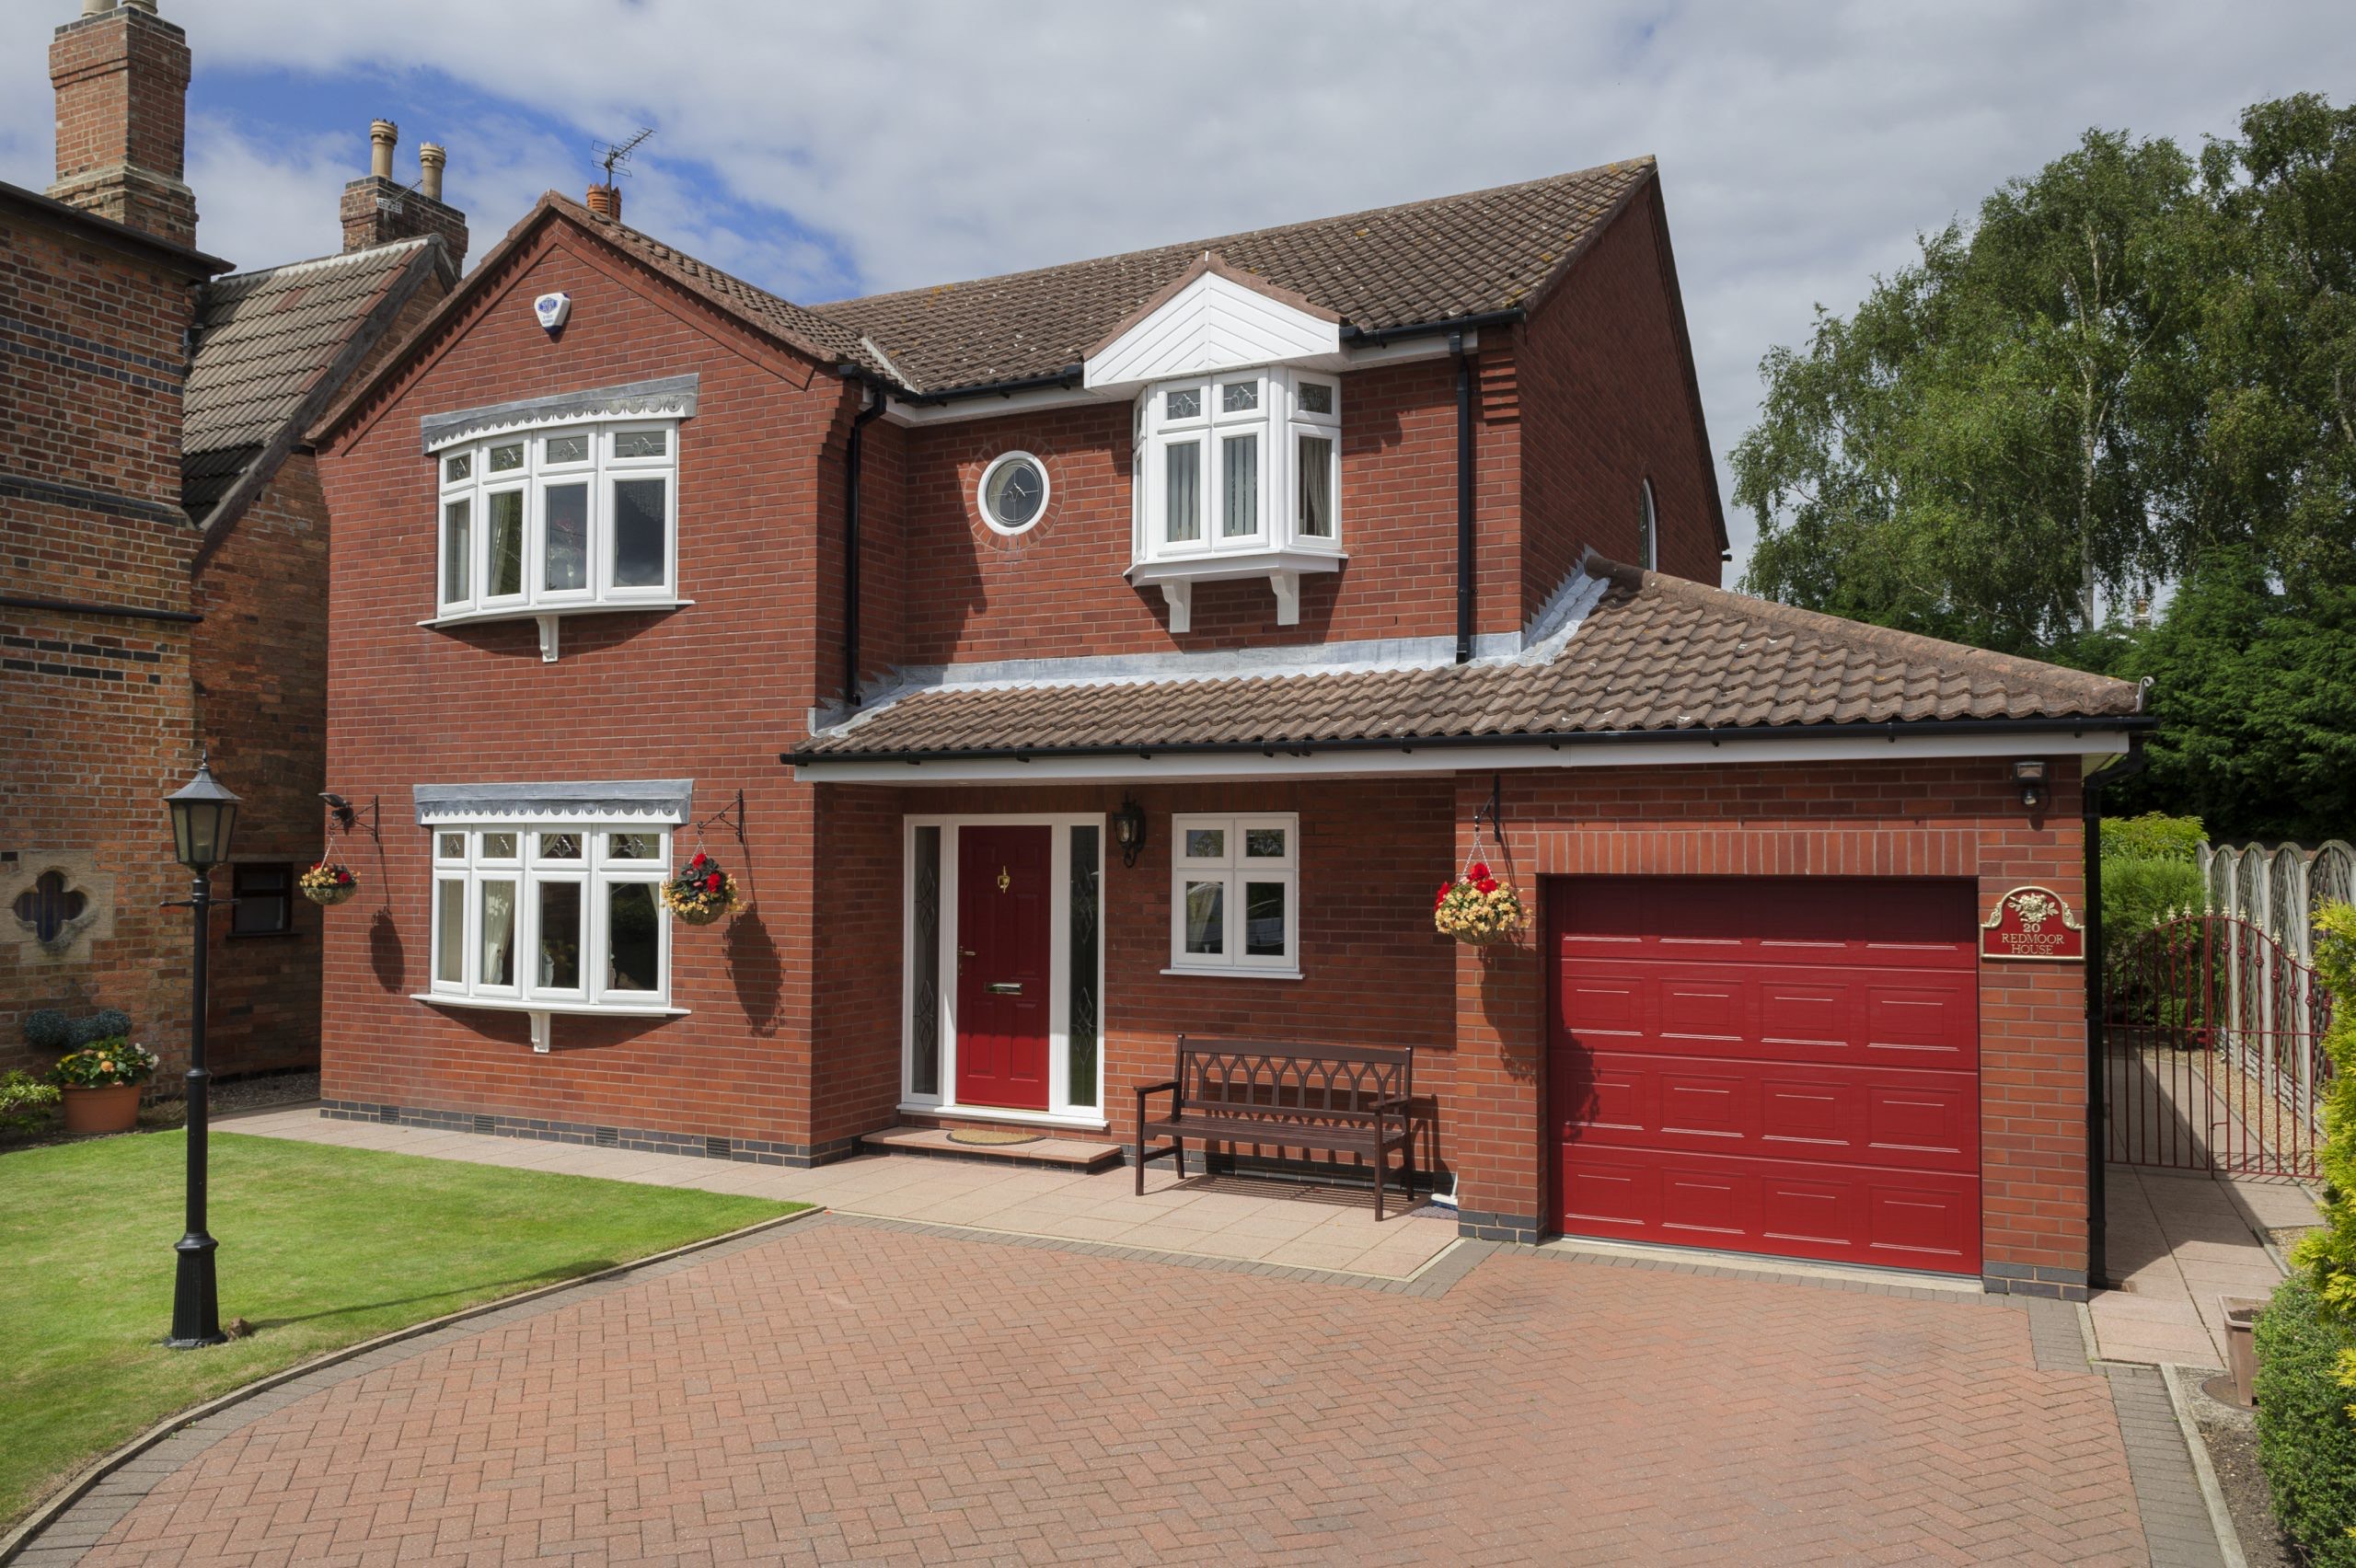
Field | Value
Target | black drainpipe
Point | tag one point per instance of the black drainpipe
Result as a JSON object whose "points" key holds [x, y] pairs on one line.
{"points": [[852, 542], [1463, 499], [2098, 1074]]}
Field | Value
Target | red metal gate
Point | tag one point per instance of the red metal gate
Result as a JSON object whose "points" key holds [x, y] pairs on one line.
{"points": [[2212, 1037]]}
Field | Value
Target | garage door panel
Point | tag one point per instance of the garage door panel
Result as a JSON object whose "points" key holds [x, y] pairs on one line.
{"points": [[1770, 1066], [1887, 1219], [1847, 1115]]}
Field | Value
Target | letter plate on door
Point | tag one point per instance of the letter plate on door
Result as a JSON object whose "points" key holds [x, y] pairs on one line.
{"points": [[1005, 988]]}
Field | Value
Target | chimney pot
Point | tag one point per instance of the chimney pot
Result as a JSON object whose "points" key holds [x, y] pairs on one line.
{"points": [[382, 136], [430, 159], [606, 201], [97, 8]]}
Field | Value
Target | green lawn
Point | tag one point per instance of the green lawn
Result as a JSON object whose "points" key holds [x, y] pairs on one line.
{"points": [[320, 1247]]}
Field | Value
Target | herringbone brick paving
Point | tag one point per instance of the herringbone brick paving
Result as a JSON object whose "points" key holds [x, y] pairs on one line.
{"points": [[845, 1391]]}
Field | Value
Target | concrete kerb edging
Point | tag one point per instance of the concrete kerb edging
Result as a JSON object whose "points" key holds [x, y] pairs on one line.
{"points": [[2221, 1518], [79, 1486]]}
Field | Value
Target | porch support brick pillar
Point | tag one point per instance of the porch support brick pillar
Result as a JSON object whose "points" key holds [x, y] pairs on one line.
{"points": [[1497, 1116]]}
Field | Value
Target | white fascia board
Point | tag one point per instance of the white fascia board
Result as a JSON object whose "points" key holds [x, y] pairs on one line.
{"points": [[1212, 324], [1171, 767]]}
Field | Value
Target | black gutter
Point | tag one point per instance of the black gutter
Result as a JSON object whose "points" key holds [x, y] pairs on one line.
{"points": [[1463, 498], [1892, 730], [1378, 336], [2098, 1074], [1064, 379], [851, 468], [83, 607]]}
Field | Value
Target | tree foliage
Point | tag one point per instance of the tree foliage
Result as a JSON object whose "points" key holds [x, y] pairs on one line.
{"points": [[2130, 363], [2255, 689]]}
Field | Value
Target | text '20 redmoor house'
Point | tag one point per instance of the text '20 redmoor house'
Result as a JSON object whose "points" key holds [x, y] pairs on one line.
{"points": [[1066, 661]]}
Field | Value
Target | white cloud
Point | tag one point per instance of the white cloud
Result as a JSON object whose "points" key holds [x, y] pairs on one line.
{"points": [[1802, 146]]}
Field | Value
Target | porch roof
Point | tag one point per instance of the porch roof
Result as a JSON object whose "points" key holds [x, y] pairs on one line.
{"points": [[1635, 654]]}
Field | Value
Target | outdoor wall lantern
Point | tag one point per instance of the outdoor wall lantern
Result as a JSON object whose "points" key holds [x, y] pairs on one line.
{"points": [[1128, 830], [2029, 774], [203, 816]]}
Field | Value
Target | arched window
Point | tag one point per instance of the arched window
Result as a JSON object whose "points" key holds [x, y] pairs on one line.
{"points": [[1648, 530]]}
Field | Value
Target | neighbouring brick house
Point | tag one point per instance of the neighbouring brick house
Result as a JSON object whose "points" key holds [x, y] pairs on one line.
{"points": [[168, 547], [1333, 557]]}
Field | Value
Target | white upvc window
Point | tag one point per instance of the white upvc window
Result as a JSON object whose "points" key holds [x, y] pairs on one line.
{"points": [[1235, 894], [566, 916], [582, 516], [1241, 462]]}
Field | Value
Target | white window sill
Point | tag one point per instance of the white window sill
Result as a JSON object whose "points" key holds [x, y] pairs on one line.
{"points": [[1176, 577], [532, 612], [1078, 1121], [1233, 972], [582, 1009]]}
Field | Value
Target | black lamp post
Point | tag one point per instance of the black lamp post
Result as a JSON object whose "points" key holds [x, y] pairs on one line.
{"points": [[204, 813]]}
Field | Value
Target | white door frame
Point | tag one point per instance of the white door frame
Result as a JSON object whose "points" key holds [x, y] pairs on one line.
{"points": [[1061, 1111]]}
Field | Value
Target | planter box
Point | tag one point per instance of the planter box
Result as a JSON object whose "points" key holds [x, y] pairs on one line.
{"points": [[114, 1109]]}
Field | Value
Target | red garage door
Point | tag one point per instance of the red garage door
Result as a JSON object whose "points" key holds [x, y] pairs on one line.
{"points": [[1762, 1066]]}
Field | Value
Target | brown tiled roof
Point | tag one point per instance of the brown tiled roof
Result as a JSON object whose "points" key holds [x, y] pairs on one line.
{"points": [[1402, 266], [810, 332], [1653, 653], [264, 338]]}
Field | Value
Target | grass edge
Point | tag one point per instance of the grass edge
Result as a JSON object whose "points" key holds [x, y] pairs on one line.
{"points": [[77, 1486]]}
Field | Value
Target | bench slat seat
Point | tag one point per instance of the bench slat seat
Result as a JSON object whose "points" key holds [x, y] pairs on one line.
{"points": [[1338, 1099]]}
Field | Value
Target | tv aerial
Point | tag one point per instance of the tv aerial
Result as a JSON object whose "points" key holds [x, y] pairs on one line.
{"points": [[611, 156]]}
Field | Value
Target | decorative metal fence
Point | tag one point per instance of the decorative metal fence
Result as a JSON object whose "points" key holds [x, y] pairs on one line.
{"points": [[2279, 889], [2212, 1033]]}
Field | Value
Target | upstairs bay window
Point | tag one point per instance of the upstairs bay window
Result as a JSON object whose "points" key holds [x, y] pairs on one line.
{"points": [[1238, 475], [546, 522]]}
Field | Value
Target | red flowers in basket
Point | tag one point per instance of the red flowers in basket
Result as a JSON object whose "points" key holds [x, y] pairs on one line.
{"points": [[1477, 909], [701, 891]]}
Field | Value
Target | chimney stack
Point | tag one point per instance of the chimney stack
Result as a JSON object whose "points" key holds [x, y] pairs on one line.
{"points": [[121, 74], [606, 201], [378, 211]]}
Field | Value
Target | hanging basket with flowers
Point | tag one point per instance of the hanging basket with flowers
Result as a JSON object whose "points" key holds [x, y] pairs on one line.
{"points": [[328, 883], [700, 893], [1477, 909]]}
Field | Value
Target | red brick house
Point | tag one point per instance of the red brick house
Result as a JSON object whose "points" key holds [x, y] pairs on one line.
{"points": [[168, 543], [1333, 557]]}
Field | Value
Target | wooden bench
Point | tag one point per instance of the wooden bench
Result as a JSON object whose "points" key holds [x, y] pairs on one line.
{"points": [[1342, 1100]]}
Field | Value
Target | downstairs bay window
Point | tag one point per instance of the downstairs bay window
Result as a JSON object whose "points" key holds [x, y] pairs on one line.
{"points": [[1236, 474], [551, 917]]}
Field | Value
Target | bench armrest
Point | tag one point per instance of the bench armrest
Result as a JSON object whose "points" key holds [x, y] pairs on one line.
{"points": [[1170, 1085], [1394, 1102]]}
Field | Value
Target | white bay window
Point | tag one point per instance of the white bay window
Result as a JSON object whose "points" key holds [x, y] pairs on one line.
{"points": [[556, 916], [553, 520], [1238, 475]]}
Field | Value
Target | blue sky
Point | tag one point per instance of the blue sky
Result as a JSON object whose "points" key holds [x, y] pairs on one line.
{"points": [[822, 151]]}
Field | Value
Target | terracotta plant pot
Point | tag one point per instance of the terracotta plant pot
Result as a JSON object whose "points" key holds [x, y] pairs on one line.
{"points": [[114, 1109]]}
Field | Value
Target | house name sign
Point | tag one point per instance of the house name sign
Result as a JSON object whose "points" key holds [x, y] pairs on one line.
{"points": [[2033, 922]]}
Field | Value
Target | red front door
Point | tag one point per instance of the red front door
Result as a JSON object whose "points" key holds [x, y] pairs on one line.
{"points": [[1003, 935], [1763, 1065]]}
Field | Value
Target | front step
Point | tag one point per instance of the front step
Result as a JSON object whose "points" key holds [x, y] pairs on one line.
{"points": [[1052, 1153]]}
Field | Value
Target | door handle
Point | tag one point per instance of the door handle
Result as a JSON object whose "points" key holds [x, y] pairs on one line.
{"points": [[1005, 988], [965, 953]]}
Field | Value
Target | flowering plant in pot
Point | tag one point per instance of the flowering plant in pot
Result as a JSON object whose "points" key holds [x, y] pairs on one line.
{"points": [[328, 883], [1477, 909], [102, 1085], [700, 893]]}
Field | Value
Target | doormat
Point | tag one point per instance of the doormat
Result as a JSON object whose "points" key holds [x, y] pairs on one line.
{"points": [[992, 1138]]}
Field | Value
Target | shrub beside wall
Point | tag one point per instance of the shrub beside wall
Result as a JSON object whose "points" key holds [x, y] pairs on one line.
{"points": [[2149, 869], [2306, 1338]]}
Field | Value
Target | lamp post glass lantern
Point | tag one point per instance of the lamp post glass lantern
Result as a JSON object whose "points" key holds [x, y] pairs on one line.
{"points": [[203, 816]]}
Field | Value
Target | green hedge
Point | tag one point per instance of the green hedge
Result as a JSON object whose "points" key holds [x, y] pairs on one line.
{"points": [[2138, 891], [2305, 1441], [2155, 836]]}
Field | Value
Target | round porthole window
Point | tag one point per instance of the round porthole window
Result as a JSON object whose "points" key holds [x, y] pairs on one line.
{"points": [[1013, 492]]}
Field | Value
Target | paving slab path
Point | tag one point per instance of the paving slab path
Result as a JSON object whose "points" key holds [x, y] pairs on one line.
{"points": [[2179, 1242], [846, 1389]]}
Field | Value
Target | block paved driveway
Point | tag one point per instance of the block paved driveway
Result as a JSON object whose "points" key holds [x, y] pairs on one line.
{"points": [[846, 1390]]}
